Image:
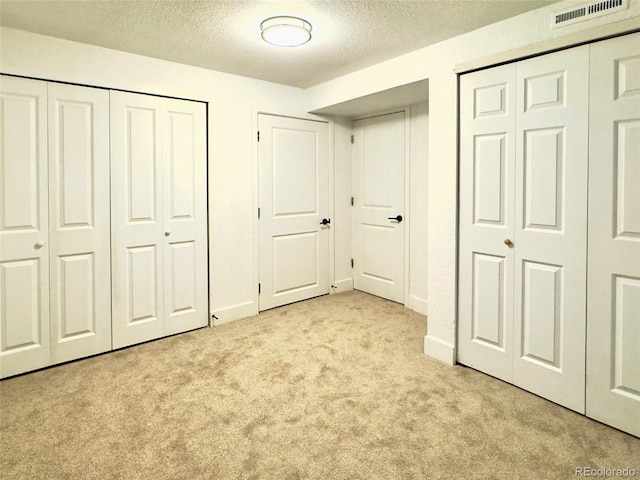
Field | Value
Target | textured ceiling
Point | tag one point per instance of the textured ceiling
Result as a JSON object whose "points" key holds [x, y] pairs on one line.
{"points": [[224, 35]]}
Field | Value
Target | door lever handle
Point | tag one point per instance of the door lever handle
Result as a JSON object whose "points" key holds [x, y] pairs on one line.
{"points": [[325, 221], [397, 218]]}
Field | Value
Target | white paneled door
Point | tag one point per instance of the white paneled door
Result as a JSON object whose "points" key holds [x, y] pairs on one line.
{"points": [[613, 328], [550, 243], [487, 152], [79, 223], [379, 215], [523, 223], [159, 217], [294, 220], [24, 233]]}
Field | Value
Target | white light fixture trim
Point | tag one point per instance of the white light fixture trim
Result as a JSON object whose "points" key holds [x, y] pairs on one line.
{"points": [[286, 31]]}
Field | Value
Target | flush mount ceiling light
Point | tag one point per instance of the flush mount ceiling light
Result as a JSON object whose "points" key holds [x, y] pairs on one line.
{"points": [[286, 31]]}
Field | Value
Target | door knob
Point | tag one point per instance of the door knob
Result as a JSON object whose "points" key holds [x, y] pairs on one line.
{"points": [[397, 218], [325, 221], [508, 242], [39, 244], [167, 233]]}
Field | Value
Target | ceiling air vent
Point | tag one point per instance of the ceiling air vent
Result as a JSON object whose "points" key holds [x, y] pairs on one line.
{"points": [[588, 11]]}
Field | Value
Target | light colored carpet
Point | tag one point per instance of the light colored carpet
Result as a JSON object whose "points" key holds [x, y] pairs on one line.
{"points": [[332, 388]]}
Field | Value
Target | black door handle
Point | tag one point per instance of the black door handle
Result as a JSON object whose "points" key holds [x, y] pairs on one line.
{"points": [[325, 221], [397, 218]]}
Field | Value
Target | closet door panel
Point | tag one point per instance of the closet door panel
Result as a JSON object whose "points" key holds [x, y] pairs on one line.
{"points": [[24, 257], [487, 148], [136, 218], [551, 226], [613, 328], [185, 216], [79, 221]]}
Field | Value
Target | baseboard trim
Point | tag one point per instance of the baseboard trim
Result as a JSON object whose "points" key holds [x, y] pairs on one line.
{"points": [[342, 285], [439, 350], [417, 304], [235, 312]]}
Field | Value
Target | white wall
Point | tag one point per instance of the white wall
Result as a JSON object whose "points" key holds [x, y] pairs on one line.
{"points": [[418, 205], [233, 105], [526, 34]]}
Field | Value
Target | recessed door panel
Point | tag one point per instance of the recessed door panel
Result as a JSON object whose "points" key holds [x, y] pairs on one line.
{"points": [[543, 170], [141, 154], [379, 214], [24, 235], [489, 170], [20, 193], [295, 262], [77, 284], [183, 165], [142, 285], [293, 188], [75, 175], [627, 337], [544, 91], [295, 172], [627, 81], [376, 239], [21, 302], [627, 172], [490, 100], [541, 313], [183, 277], [489, 301]]}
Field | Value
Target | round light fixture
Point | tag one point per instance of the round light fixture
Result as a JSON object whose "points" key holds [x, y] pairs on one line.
{"points": [[286, 31]]}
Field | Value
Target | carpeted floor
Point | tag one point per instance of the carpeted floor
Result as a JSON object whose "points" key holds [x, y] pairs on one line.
{"points": [[332, 388]]}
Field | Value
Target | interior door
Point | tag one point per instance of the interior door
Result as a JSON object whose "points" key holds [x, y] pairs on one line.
{"points": [[137, 218], [79, 222], [293, 156], [24, 233], [613, 328], [551, 226], [159, 217], [379, 216], [487, 161]]}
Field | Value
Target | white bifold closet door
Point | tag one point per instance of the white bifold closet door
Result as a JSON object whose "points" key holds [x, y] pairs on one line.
{"points": [[159, 217], [24, 227], [613, 328], [523, 213], [79, 224], [55, 262]]}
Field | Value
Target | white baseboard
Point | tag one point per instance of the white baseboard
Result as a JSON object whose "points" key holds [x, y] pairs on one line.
{"points": [[439, 350], [417, 304], [342, 285], [236, 312]]}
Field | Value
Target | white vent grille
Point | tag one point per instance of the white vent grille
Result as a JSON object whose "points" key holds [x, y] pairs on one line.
{"points": [[588, 11]]}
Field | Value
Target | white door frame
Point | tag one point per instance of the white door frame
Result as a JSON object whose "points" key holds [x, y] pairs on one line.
{"points": [[254, 306], [408, 153]]}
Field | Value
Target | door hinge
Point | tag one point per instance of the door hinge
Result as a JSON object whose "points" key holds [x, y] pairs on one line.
{"points": [[353, 139], [258, 135], [352, 263], [352, 201], [258, 289], [258, 213]]}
